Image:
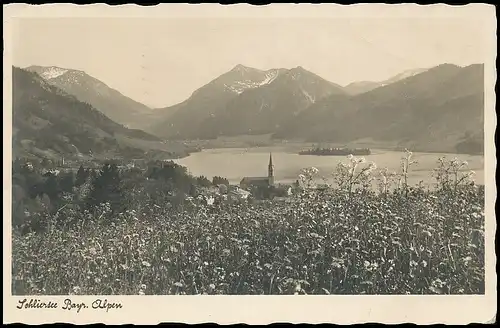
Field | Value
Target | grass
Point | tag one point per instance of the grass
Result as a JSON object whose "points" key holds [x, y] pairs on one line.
{"points": [[425, 243]]}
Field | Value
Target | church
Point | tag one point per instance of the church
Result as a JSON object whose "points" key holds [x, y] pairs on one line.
{"points": [[260, 181]]}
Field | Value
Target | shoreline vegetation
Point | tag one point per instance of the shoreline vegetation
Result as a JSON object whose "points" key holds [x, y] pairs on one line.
{"points": [[161, 231]]}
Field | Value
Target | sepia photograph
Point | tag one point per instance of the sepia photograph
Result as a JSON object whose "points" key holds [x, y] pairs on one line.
{"points": [[238, 155]]}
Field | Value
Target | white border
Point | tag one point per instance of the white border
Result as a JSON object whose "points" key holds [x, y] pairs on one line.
{"points": [[266, 309]]}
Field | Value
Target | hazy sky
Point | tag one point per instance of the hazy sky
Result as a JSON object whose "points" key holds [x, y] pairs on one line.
{"points": [[161, 62]]}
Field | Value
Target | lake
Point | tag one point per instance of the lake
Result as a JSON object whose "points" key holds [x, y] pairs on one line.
{"points": [[236, 163]]}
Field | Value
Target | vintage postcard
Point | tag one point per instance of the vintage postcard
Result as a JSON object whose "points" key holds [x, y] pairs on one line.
{"points": [[249, 164]]}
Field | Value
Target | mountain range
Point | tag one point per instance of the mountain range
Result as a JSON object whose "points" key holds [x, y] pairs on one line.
{"points": [[428, 109], [48, 122]]}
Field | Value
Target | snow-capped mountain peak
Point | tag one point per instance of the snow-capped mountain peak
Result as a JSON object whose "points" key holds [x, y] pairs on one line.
{"points": [[52, 72], [250, 79]]}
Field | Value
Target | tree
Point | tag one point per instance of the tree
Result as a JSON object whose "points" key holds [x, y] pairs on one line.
{"points": [[107, 188], [203, 181], [220, 180], [67, 181], [81, 176], [51, 187], [45, 163]]}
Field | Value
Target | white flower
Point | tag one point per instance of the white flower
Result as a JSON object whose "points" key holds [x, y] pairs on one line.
{"points": [[350, 156], [344, 165]]}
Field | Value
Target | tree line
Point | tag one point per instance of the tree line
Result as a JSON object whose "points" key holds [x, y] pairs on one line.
{"points": [[39, 192]]}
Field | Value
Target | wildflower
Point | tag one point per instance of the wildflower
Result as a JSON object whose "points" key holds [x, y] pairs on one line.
{"points": [[143, 287], [146, 264], [76, 289], [424, 263], [350, 156], [336, 265], [467, 260], [438, 283], [92, 251], [425, 232]]}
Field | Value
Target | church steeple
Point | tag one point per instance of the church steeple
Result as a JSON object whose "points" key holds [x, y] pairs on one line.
{"points": [[270, 170]]}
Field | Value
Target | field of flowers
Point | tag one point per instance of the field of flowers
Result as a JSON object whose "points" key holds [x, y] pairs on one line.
{"points": [[328, 241]]}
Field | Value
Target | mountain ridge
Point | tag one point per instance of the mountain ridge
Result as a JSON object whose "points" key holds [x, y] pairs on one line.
{"points": [[358, 87], [100, 95], [48, 122], [431, 110]]}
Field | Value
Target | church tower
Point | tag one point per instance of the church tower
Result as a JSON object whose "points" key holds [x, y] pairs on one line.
{"points": [[270, 170]]}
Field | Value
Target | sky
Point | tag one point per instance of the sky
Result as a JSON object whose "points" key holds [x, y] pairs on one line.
{"points": [[161, 61]]}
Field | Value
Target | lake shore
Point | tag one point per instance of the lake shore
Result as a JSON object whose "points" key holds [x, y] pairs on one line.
{"points": [[236, 163], [265, 141]]}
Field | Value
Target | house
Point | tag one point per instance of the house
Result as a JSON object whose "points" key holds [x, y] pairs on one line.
{"points": [[247, 182]]}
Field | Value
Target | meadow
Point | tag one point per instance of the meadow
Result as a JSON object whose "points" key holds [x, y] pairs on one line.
{"points": [[401, 239]]}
